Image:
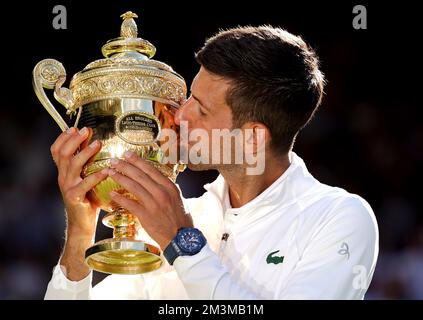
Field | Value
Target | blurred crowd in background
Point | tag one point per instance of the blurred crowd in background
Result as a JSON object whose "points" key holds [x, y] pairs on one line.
{"points": [[366, 137]]}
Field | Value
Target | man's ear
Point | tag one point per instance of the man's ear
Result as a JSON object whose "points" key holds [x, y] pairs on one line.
{"points": [[256, 137]]}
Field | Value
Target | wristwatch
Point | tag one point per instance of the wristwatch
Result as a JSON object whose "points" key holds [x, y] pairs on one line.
{"points": [[187, 242]]}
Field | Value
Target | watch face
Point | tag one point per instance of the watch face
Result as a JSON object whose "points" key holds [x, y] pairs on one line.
{"points": [[190, 240]]}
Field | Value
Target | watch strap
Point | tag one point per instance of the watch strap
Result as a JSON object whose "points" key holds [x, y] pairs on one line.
{"points": [[171, 252]]}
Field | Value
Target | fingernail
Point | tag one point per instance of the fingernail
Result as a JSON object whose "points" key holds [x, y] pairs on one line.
{"points": [[114, 161], [70, 130], [83, 131], [128, 154], [105, 171], [111, 172], [113, 193], [94, 144]]}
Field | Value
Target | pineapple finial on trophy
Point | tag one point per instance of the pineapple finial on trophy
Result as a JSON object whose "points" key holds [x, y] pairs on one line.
{"points": [[129, 27], [129, 42]]}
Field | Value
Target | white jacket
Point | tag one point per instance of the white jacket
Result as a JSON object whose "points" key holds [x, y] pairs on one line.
{"points": [[299, 239]]}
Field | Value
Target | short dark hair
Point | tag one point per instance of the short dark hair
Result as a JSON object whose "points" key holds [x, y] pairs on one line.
{"points": [[276, 79]]}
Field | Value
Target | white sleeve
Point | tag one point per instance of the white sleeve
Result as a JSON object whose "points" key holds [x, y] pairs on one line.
{"points": [[328, 269], [205, 278], [61, 288], [112, 287], [339, 260]]}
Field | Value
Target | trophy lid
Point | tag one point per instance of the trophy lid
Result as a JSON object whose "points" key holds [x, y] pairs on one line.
{"points": [[127, 71], [128, 40]]}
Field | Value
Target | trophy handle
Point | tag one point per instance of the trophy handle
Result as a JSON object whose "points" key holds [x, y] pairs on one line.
{"points": [[51, 74]]}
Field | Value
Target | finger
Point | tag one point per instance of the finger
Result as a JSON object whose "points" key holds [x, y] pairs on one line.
{"points": [[77, 163], [69, 148], [154, 174], [136, 174], [80, 190], [131, 205], [60, 141], [132, 186], [89, 136]]}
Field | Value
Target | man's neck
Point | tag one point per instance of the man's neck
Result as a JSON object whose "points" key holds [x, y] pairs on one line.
{"points": [[243, 188]]}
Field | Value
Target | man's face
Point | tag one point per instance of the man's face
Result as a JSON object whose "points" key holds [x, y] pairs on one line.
{"points": [[204, 111]]}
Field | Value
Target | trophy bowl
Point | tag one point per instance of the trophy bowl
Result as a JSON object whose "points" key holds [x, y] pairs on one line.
{"points": [[125, 100]]}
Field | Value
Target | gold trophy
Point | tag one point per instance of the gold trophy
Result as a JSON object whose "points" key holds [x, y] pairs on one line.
{"points": [[126, 100]]}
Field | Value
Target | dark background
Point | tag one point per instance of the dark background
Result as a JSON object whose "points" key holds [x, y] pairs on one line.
{"points": [[366, 137]]}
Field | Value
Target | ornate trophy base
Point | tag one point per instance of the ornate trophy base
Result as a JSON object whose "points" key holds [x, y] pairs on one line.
{"points": [[123, 256]]}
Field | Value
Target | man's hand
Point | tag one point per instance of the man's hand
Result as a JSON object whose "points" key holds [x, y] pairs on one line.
{"points": [[81, 212], [158, 206]]}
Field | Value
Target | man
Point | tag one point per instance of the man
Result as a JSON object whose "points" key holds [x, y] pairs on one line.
{"points": [[280, 234]]}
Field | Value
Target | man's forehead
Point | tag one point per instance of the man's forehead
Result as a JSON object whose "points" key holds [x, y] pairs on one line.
{"points": [[209, 81]]}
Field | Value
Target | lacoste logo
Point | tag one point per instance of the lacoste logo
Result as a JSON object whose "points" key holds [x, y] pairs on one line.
{"points": [[344, 250], [274, 259]]}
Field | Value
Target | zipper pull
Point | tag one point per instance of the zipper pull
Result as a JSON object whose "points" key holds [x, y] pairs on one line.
{"points": [[225, 236]]}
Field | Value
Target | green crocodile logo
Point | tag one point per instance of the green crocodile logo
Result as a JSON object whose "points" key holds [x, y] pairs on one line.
{"points": [[274, 259]]}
